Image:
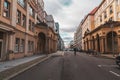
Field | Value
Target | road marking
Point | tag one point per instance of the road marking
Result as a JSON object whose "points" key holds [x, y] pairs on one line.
{"points": [[107, 65], [99, 65], [116, 74]]}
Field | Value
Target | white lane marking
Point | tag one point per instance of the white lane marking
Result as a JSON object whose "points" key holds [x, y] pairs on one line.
{"points": [[99, 65], [107, 65], [116, 74]]}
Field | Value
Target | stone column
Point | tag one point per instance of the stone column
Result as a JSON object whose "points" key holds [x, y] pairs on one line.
{"points": [[27, 26], [105, 40], [119, 44]]}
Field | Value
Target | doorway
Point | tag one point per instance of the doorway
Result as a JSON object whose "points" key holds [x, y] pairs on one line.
{"points": [[1, 42]]}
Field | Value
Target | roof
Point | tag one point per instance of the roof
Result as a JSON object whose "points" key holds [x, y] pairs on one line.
{"points": [[93, 11], [100, 5]]}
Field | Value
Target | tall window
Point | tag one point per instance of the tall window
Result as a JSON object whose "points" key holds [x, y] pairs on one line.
{"points": [[105, 14], [29, 46], [32, 45], [118, 2], [6, 10], [22, 45], [22, 3], [111, 10], [17, 43], [18, 17], [0, 7], [23, 20], [31, 11], [100, 18], [30, 25]]}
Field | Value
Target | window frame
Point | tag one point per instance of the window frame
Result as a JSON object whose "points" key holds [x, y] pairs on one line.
{"points": [[111, 9], [6, 9], [17, 45], [18, 17], [23, 22]]}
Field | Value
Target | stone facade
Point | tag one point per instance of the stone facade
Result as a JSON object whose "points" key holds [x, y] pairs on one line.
{"points": [[104, 35], [20, 30]]}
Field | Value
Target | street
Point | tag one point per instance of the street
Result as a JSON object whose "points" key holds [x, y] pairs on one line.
{"points": [[70, 67]]}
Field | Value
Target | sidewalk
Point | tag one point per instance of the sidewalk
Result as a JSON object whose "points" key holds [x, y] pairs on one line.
{"points": [[110, 56], [10, 64], [12, 68]]}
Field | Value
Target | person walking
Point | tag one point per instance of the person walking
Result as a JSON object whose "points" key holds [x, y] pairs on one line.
{"points": [[75, 51]]}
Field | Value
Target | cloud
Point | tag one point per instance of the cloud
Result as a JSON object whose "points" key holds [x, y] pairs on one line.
{"points": [[69, 13], [66, 2], [67, 29]]}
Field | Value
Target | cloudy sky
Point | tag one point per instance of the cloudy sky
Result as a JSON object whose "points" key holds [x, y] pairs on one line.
{"points": [[69, 13]]}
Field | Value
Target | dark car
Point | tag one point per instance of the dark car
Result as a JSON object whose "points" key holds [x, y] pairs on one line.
{"points": [[118, 60]]}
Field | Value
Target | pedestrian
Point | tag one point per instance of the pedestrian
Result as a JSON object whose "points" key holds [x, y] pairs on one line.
{"points": [[75, 51]]}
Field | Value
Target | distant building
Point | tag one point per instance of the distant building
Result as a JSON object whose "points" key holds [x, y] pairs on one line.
{"points": [[60, 44], [71, 44], [78, 37]]}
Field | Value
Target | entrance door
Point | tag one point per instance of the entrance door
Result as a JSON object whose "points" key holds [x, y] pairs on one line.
{"points": [[0, 48]]}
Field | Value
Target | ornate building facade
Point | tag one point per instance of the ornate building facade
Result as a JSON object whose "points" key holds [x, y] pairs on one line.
{"points": [[24, 30], [104, 36]]}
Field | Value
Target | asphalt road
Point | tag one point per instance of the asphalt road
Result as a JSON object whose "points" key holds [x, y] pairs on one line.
{"points": [[70, 67]]}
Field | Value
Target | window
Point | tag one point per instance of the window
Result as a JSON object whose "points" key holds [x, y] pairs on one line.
{"points": [[29, 45], [30, 25], [0, 7], [117, 1], [32, 45], [18, 17], [100, 18], [22, 45], [31, 11], [17, 43], [1, 35], [111, 10], [22, 3], [105, 15], [6, 11], [111, 19], [23, 20]]}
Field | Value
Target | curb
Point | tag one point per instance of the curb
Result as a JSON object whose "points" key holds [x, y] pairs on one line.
{"points": [[102, 56], [105, 57], [9, 77]]}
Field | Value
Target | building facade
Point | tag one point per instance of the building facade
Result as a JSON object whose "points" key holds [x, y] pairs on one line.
{"points": [[19, 20], [79, 37], [105, 36]]}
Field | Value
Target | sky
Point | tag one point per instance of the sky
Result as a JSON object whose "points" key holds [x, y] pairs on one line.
{"points": [[69, 13]]}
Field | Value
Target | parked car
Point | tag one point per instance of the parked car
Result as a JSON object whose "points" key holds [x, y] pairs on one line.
{"points": [[117, 59]]}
